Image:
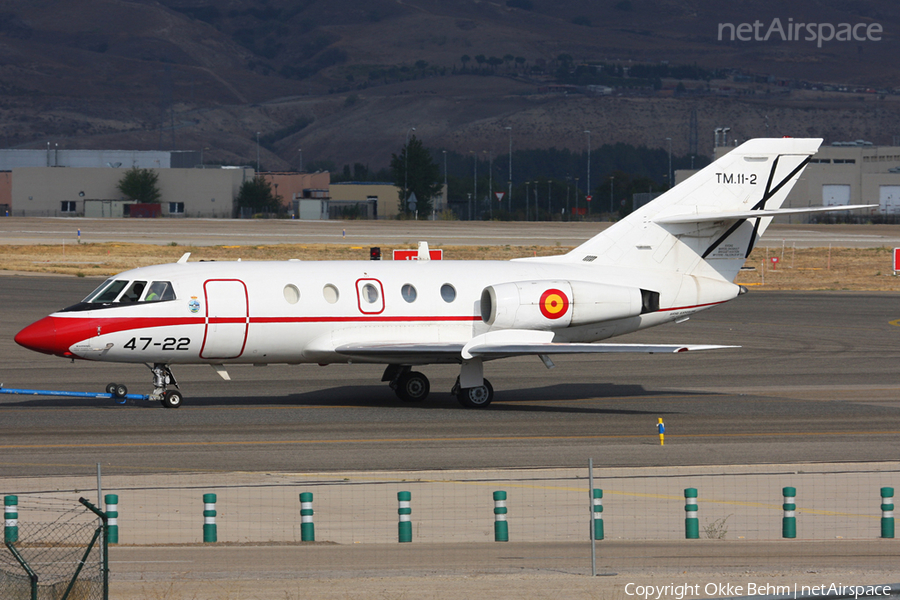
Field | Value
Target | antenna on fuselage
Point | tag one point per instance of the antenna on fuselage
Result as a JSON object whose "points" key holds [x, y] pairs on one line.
{"points": [[184, 258]]}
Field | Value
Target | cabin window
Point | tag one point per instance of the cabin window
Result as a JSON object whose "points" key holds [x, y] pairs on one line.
{"points": [[448, 292], [370, 293], [331, 294], [291, 293], [408, 291]]}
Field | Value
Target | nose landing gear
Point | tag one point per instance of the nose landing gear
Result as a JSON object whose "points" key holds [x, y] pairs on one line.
{"points": [[162, 378]]}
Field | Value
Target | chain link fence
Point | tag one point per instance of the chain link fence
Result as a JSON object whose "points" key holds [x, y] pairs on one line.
{"points": [[55, 555], [378, 522]]}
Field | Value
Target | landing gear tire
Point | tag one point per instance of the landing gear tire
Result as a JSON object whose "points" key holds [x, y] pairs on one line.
{"points": [[413, 387], [476, 397], [110, 388], [172, 399]]}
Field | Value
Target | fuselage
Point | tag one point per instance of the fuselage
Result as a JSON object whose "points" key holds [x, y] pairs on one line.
{"points": [[300, 312]]}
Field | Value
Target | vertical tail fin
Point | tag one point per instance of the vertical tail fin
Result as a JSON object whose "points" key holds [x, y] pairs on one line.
{"points": [[708, 224]]}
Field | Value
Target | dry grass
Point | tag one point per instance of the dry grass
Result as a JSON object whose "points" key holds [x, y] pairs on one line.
{"points": [[855, 269], [801, 269]]}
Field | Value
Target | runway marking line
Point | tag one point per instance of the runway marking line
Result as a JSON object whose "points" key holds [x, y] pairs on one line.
{"points": [[432, 439]]}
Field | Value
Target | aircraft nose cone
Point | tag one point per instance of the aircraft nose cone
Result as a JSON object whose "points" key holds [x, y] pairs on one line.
{"points": [[41, 336]]}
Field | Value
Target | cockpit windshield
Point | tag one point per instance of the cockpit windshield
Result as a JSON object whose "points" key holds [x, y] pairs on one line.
{"points": [[108, 292], [124, 291]]}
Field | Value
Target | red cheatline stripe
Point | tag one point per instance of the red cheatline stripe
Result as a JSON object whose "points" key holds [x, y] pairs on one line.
{"points": [[113, 325], [359, 319]]}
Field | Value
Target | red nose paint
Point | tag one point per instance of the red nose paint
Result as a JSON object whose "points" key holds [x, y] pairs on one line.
{"points": [[42, 336]]}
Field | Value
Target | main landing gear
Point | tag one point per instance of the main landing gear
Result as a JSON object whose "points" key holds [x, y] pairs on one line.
{"points": [[162, 378], [409, 385], [413, 386], [474, 397]]}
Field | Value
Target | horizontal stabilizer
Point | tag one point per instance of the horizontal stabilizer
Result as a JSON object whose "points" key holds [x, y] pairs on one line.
{"points": [[752, 214]]}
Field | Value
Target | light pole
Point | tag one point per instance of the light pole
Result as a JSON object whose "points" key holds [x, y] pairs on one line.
{"points": [[491, 182], [588, 132], [668, 139], [202, 164], [509, 199], [549, 199], [300, 150], [474, 181], [717, 131], [611, 180], [527, 202], [576, 197], [445, 194], [406, 169], [257, 153]]}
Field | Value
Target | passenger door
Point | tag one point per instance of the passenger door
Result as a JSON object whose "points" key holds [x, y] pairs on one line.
{"points": [[227, 319]]}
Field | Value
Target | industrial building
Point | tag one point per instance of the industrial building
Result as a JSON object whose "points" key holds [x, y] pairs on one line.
{"points": [[92, 192], [84, 183], [142, 159]]}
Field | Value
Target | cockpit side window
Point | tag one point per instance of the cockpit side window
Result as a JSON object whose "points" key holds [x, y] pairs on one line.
{"points": [[134, 292], [116, 292], [159, 291], [108, 292]]}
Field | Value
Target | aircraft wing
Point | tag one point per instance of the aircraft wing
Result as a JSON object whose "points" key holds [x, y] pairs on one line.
{"points": [[403, 353], [501, 344], [503, 350]]}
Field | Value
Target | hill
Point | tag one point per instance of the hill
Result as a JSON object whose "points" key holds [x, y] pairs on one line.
{"points": [[344, 80]]}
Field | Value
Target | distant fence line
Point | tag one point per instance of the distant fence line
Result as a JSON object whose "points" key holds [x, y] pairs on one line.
{"points": [[542, 505]]}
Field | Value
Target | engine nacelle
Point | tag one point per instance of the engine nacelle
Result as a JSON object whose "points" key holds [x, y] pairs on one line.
{"points": [[550, 304]]}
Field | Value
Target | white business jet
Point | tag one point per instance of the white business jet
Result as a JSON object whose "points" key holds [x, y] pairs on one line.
{"points": [[664, 262]]}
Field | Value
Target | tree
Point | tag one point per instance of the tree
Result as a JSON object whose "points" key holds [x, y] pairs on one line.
{"points": [[140, 185], [421, 178], [257, 195]]}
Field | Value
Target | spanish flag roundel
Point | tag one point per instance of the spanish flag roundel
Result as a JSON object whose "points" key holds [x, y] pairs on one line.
{"points": [[554, 304]]}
